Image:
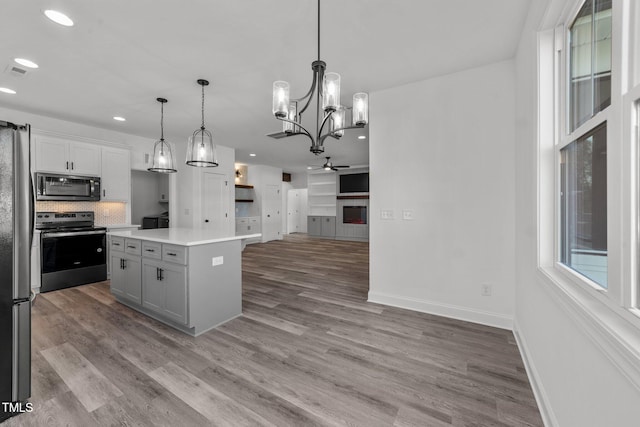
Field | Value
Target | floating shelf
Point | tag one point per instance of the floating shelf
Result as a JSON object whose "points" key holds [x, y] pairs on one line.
{"points": [[351, 197], [244, 201], [243, 186], [323, 183]]}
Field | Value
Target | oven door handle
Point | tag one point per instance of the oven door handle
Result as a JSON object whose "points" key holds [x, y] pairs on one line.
{"points": [[72, 233]]}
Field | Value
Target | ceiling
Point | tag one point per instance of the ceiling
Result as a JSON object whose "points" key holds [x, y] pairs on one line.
{"points": [[121, 55]]}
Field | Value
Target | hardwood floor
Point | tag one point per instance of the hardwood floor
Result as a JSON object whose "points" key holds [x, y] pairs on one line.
{"points": [[309, 350]]}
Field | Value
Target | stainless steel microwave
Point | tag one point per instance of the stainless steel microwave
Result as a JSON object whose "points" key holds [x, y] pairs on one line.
{"points": [[67, 188]]}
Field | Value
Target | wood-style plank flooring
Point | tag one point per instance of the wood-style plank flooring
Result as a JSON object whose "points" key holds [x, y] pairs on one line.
{"points": [[309, 350]]}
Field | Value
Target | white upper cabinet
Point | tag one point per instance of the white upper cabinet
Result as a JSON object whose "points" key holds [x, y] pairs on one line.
{"points": [[67, 157], [84, 159], [116, 175]]}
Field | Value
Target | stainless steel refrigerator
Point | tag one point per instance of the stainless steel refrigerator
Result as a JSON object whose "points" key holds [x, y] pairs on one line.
{"points": [[16, 234]]}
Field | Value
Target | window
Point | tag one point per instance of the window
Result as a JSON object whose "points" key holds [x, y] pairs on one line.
{"points": [[590, 62], [583, 157], [583, 204]]}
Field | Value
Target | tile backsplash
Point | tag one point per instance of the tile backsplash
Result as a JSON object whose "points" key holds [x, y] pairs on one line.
{"points": [[106, 213]]}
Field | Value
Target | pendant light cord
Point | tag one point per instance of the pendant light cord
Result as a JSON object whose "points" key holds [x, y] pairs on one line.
{"points": [[318, 30], [162, 121], [202, 127]]}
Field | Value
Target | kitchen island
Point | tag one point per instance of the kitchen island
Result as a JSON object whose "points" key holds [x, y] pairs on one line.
{"points": [[189, 279]]}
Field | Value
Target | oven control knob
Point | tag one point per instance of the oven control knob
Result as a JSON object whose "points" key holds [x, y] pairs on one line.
{"points": [[46, 216]]}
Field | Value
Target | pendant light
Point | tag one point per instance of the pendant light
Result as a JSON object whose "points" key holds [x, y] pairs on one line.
{"points": [[162, 155], [201, 152]]}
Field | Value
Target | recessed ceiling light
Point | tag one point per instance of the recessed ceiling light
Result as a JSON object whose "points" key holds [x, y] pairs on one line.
{"points": [[120, 119], [252, 154], [309, 167], [58, 17], [26, 62], [362, 137], [7, 90]]}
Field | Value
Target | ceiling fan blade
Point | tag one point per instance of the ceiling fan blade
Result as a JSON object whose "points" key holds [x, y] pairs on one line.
{"points": [[279, 135]]}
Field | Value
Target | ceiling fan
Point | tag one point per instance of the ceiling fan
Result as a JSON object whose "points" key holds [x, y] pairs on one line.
{"points": [[328, 166]]}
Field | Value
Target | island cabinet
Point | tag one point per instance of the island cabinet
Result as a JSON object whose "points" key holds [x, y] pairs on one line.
{"points": [[184, 278], [164, 283], [126, 281]]}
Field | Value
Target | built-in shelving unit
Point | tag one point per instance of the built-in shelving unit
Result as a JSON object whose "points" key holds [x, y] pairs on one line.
{"points": [[244, 193], [321, 193]]}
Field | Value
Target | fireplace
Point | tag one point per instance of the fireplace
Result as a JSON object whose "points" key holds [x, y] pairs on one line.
{"points": [[354, 214]]}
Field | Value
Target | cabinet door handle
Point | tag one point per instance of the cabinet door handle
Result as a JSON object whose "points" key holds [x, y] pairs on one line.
{"points": [[71, 165], [67, 166], [104, 193], [131, 246], [149, 250], [161, 276], [157, 273], [171, 254], [121, 264], [115, 244], [124, 264]]}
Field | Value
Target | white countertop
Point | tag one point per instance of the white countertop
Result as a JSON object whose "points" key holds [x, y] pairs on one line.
{"points": [[180, 236], [110, 226]]}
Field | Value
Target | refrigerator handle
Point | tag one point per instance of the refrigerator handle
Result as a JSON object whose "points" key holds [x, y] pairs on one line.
{"points": [[21, 363], [32, 210]]}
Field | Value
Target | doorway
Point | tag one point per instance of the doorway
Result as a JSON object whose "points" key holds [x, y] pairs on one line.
{"points": [[271, 216]]}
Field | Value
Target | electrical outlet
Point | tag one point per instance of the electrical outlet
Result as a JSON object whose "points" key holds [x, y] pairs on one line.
{"points": [[218, 260], [485, 290]]}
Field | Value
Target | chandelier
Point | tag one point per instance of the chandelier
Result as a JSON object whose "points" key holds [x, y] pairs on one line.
{"points": [[331, 117]]}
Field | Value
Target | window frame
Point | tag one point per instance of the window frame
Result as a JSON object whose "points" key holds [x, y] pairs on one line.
{"points": [[564, 137], [610, 318]]}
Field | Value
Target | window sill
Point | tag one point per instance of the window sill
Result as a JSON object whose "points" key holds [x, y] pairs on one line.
{"points": [[614, 330]]}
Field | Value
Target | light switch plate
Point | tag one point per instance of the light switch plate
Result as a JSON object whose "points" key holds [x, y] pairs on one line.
{"points": [[386, 214], [407, 214], [218, 260]]}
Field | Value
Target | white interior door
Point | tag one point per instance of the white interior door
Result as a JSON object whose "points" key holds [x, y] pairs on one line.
{"points": [[215, 202], [293, 211], [271, 216]]}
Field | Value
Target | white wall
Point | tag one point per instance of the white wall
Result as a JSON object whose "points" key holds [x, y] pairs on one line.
{"points": [[576, 383], [443, 148], [187, 210]]}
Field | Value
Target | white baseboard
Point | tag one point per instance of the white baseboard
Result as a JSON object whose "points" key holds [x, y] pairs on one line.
{"points": [[496, 320], [544, 406]]}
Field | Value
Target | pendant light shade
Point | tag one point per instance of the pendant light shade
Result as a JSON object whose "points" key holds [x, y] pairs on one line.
{"points": [[201, 151], [162, 155]]}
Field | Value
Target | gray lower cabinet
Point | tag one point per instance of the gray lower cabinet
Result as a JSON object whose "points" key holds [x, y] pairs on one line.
{"points": [[321, 226], [164, 289], [314, 225], [328, 227], [126, 281]]}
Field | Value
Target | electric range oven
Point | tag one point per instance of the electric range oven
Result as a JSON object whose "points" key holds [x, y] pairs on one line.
{"points": [[72, 250]]}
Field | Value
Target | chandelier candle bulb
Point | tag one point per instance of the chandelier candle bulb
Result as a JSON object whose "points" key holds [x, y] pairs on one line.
{"points": [[360, 109], [293, 112], [331, 92], [338, 121], [280, 98]]}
